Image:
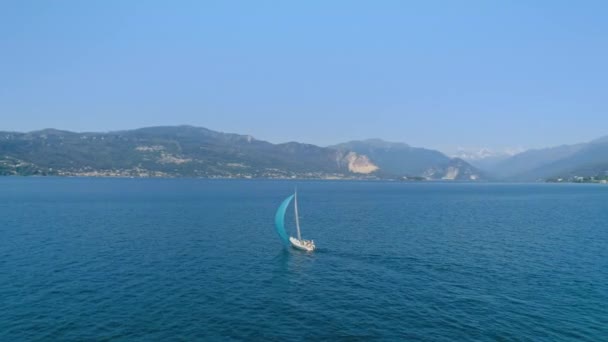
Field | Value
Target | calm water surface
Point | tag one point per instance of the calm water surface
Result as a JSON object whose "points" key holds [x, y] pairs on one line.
{"points": [[135, 259]]}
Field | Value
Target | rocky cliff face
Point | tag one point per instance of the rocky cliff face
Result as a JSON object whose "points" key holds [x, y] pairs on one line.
{"points": [[455, 169], [395, 158], [360, 164], [402, 160]]}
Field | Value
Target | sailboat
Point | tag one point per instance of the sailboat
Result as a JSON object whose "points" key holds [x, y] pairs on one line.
{"points": [[279, 222]]}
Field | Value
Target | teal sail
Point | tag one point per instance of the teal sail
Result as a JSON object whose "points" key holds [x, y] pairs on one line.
{"points": [[279, 220]]}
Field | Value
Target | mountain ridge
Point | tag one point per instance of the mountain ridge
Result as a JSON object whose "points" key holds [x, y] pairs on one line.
{"points": [[563, 161], [190, 151], [404, 160]]}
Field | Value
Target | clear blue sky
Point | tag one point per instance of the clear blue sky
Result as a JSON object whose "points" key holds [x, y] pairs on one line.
{"points": [[430, 73]]}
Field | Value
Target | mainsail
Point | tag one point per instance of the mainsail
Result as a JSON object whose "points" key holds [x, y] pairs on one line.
{"points": [[279, 220]]}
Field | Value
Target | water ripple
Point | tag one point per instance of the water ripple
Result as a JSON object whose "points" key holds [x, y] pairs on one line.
{"points": [[190, 260]]}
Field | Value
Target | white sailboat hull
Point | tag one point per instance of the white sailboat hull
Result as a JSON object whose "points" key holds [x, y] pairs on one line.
{"points": [[304, 245]]}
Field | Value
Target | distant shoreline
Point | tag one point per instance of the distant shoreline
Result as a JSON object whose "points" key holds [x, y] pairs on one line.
{"points": [[386, 180], [256, 178]]}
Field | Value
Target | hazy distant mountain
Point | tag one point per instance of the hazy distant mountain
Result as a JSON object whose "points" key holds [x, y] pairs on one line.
{"points": [[404, 160], [586, 159], [590, 159], [601, 140], [521, 164], [485, 158]]}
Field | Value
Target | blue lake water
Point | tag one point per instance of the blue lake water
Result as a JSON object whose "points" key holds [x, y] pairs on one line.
{"points": [[163, 259]]}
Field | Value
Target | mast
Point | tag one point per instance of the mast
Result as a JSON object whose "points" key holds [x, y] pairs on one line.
{"points": [[295, 206]]}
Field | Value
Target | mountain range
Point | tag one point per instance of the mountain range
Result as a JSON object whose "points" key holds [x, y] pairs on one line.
{"points": [[187, 151], [485, 158], [566, 161]]}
